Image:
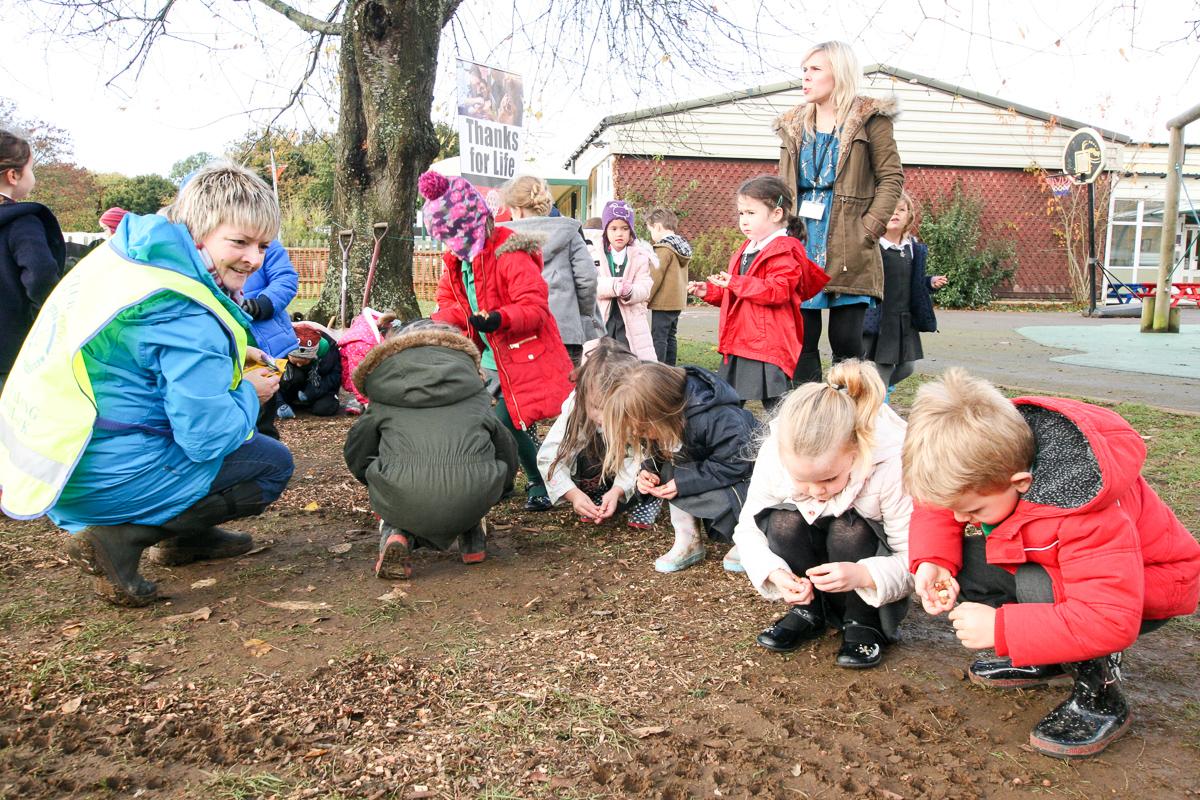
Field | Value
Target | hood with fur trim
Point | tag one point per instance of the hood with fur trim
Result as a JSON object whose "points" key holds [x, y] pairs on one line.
{"points": [[422, 369], [790, 126], [519, 241]]}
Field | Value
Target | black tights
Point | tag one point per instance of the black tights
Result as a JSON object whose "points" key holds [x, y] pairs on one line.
{"points": [[845, 339], [844, 538]]}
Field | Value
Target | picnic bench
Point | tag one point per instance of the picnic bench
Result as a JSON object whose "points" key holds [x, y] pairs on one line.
{"points": [[1180, 292]]}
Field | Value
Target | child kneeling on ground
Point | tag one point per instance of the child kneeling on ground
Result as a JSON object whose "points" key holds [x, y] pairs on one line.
{"points": [[314, 372], [571, 457], [434, 457], [1078, 555], [825, 525], [689, 430]]}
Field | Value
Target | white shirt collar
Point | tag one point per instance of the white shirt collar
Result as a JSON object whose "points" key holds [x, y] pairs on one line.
{"points": [[756, 246], [7, 197], [619, 256], [888, 244]]}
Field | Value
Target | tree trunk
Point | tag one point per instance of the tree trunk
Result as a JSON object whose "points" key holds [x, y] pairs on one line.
{"points": [[386, 139]]}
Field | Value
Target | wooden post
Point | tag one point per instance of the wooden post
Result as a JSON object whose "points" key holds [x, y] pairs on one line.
{"points": [[1162, 296]]}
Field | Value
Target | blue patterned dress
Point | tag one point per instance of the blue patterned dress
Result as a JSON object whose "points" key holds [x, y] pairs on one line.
{"points": [[815, 174]]}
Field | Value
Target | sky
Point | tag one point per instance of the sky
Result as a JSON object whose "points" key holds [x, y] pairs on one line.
{"points": [[228, 66]]}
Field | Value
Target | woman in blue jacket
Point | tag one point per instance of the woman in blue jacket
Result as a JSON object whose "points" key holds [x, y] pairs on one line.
{"points": [[166, 449]]}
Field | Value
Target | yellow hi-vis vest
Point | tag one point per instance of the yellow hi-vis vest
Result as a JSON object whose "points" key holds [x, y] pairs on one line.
{"points": [[48, 408]]}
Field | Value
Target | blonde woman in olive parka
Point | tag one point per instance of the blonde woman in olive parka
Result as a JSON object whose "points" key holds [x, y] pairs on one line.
{"points": [[838, 154]]}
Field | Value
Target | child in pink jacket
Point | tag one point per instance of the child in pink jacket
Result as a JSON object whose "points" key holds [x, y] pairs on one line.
{"points": [[624, 282]]}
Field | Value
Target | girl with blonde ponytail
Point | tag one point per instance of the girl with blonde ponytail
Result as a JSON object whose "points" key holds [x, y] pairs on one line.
{"points": [[825, 524]]}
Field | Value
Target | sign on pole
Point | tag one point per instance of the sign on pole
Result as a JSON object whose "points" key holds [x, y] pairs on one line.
{"points": [[491, 106], [1083, 157]]}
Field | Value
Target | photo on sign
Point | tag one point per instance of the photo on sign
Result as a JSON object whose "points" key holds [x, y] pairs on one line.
{"points": [[490, 94]]}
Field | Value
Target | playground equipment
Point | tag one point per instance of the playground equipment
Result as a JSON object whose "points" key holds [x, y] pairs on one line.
{"points": [[1156, 309]]}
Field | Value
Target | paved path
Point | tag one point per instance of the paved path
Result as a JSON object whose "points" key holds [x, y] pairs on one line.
{"points": [[987, 343]]}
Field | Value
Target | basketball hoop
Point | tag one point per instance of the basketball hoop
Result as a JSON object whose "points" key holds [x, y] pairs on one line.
{"points": [[1060, 185]]}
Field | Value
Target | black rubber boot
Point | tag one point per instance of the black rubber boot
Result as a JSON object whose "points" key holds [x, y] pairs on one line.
{"points": [[1091, 718], [111, 554], [999, 673], [799, 625], [194, 535]]}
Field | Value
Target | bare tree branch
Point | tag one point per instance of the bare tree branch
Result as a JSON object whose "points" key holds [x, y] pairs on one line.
{"points": [[312, 67], [304, 21]]}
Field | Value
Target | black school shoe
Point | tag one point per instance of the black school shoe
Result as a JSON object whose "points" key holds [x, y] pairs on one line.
{"points": [[999, 673], [799, 625], [538, 502], [1091, 718], [862, 647]]}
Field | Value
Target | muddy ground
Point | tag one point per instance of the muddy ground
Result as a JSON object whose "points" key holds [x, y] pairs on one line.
{"points": [[563, 666]]}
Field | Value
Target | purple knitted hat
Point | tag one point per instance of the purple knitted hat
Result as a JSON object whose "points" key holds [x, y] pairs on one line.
{"points": [[455, 214], [616, 209]]}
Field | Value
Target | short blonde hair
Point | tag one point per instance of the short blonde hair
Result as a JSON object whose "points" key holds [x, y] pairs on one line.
{"points": [[222, 193], [839, 414], [846, 75], [528, 194], [963, 436]]}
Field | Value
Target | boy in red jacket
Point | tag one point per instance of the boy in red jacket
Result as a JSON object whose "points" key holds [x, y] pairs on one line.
{"points": [[1078, 555]]}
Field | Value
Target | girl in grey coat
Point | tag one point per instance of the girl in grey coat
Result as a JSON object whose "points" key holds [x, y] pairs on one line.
{"points": [[567, 265]]}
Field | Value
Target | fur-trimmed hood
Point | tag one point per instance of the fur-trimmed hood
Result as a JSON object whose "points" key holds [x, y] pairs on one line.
{"points": [[519, 241], [790, 124], [422, 368]]}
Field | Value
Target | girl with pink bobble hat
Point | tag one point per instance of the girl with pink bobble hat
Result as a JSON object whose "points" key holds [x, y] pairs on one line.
{"points": [[492, 289]]}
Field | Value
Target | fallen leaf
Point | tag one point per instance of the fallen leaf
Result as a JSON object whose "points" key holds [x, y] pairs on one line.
{"points": [[257, 550], [72, 629], [797, 770], [313, 506], [296, 605], [394, 595], [650, 730], [338, 549], [532, 602], [316, 752], [71, 706], [203, 584], [199, 615], [257, 647]]}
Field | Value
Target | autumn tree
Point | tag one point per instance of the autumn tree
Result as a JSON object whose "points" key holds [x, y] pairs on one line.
{"points": [[388, 51], [1067, 208]]}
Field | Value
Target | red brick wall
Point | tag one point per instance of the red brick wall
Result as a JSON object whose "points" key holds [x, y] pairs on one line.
{"points": [[1014, 207]]}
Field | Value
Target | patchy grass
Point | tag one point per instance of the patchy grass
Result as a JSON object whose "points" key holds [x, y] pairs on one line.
{"points": [[247, 787]]}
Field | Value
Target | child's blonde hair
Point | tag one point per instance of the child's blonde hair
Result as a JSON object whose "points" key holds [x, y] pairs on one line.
{"points": [[602, 369], [528, 194], [223, 193], [846, 73], [963, 436], [643, 415], [838, 414]]}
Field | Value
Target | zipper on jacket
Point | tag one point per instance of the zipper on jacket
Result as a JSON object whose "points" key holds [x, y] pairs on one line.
{"points": [[526, 340], [500, 365]]}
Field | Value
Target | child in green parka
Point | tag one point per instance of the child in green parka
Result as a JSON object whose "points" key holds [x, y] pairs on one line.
{"points": [[432, 454]]}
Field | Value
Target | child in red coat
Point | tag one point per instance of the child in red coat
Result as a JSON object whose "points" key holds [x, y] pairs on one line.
{"points": [[492, 289], [1078, 555], [760, 329]]}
